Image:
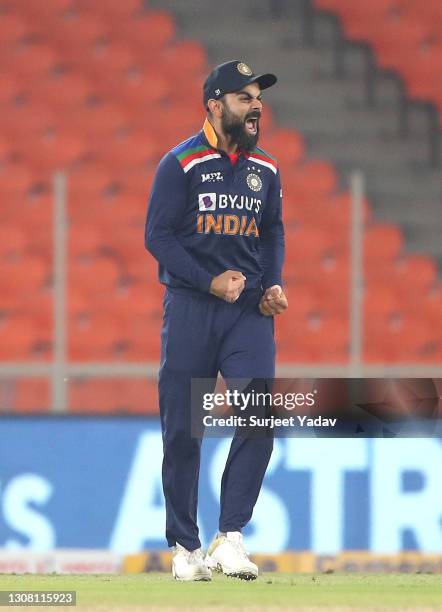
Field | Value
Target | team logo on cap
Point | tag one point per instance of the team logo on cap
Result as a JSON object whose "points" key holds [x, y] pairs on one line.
{"points": [[244, 69], [254, 182]]}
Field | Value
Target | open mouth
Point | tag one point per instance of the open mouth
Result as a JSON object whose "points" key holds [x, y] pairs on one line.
{"points": [[252, 125]]}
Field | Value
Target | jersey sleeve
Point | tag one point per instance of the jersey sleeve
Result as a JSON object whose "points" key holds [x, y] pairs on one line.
{"points": [[167, 205], [272, 236]]}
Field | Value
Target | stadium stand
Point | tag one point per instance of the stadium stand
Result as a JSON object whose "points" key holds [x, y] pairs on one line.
{"points": [[100, 90]]}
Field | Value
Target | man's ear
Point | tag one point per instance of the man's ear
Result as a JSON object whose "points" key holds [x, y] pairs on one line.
{"points": [[215, 107]]}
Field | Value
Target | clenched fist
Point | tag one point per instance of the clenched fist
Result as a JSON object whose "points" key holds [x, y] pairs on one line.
{"points": [[273, 302], [228, 286]]}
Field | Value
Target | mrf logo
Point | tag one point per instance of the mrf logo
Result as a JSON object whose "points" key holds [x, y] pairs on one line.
{"points": [[211, 177]]}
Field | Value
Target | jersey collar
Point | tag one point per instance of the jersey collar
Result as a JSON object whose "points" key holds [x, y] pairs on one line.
{"points": [[210, 134]]}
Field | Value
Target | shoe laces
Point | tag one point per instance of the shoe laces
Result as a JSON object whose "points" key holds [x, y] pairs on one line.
{"points": [[195, 557], [237, 543]]}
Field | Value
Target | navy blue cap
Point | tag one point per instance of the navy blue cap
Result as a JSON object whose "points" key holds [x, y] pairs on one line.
{"points": [[233, 76]]}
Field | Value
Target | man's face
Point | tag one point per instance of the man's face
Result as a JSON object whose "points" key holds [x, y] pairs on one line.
{"points": [[240, 118]]}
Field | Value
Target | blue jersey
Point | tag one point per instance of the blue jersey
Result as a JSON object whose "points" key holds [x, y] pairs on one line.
{"points": [[207, 215]]}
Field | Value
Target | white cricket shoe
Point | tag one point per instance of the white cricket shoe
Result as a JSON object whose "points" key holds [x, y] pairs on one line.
{"points": [[189, 565], [228, 555]]}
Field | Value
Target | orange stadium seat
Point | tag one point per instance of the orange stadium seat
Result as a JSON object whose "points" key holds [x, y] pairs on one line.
{"points": [[6, 153], [312, 178], [286, 145], [316, 337], [429, 12], [327, 283], [127, 242], [13, 32], [311, 245], [104, 335], [113, 396], [432, 307], [83, 241], [106, 64], [195, 60], [114, 11], [12, 240], [16, 182], [21, 276], [144, 270], [57, 151], [62, 94], [32, 215], [31, 395], [19, 124], [141, 298], [10, 90], [380, 300], [404, 35], [130, 150], [76, 33], [37, 11], [144, 344], [170, 123], [398, 337], [137, 183], [394, 39], [139, 92], [332, 212], [32, 62], [24, 338], [98, 121], [93, 336], [90, 181], [105, 212], [414, 274], [420, 75], [97, 276], [146, 34], [382, 243]]}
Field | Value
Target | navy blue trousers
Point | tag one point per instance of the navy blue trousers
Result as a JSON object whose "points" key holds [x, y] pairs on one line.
{"points": [[202, 336]]}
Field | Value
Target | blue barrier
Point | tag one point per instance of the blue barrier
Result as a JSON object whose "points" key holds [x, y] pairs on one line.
{"points": [[96, 483]]}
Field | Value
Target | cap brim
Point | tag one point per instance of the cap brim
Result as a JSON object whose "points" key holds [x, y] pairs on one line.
{"points": [[264, 80]]}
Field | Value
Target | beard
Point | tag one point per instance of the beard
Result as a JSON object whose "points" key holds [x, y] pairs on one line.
{"points": [[235, 128]]}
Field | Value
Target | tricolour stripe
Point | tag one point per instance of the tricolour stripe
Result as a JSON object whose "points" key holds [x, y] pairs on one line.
{"points": [[265, 155], [192, 150], [198, 160], [264, 162], [193, 156]]}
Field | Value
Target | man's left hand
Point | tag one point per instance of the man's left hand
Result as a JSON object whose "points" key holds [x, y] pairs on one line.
{"points": [[273, 302]]}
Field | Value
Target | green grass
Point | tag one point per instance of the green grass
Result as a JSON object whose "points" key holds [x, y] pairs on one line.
{"points": [[359, 591]]}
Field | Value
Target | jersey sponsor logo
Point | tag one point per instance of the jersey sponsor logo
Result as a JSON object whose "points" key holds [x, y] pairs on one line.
{"points": [[211, 201], [212, 177], [254, 182], [230, 225], [207, 201]]}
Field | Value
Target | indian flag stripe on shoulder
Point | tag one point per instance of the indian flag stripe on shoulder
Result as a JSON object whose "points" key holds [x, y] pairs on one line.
{"points": [[264, 161], [190, 163], [190, 157], [192, 150]]}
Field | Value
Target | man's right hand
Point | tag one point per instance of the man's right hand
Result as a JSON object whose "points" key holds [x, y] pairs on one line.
{"points": [[228, 286]]}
